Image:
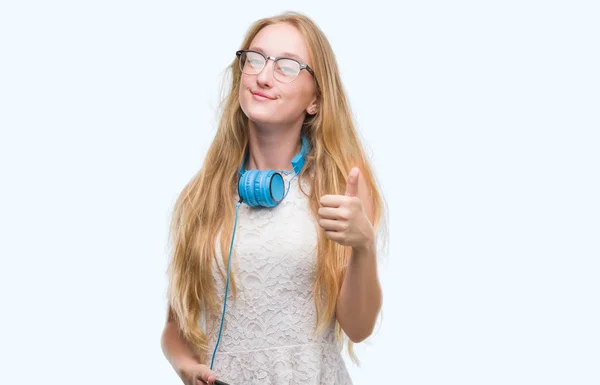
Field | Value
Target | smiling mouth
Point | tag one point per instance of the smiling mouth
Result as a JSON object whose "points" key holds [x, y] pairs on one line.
{"points": [[261, 96]]}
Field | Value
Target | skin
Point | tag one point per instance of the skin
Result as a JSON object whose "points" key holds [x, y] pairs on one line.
{"points": [[347, 219], [274, 130], [274, 124]]}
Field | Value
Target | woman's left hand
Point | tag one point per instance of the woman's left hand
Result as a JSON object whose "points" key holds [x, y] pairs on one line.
{"points": [[343, 217]]}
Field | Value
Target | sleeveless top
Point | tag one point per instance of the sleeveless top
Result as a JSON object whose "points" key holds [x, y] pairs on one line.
{"points": [[269, 335]]}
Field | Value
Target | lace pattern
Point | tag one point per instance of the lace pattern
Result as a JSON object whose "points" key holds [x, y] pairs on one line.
{"points": [[269, 330]]}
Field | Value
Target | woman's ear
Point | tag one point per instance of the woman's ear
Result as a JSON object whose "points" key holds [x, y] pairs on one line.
{"points": [[312, 108]]}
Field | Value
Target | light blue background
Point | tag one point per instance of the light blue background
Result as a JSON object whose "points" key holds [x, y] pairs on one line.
{"points": [[483, 122]]}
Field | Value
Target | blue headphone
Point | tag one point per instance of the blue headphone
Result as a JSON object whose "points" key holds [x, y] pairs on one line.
{"points": [[259, 188], [265, 187]]}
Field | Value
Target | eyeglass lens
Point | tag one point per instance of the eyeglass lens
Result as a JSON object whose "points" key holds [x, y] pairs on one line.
{"points": [[285, 70]]}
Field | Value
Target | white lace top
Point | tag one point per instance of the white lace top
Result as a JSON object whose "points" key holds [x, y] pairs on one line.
{"points": [[268, 334]]}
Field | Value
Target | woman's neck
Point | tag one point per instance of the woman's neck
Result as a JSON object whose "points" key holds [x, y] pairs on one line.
{"points": [[272, 150]]}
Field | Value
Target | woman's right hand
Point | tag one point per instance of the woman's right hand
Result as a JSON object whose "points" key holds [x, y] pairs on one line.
{"points": [[198, 374]]}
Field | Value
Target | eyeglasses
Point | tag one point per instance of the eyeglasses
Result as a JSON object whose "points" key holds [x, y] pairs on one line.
{"points": [[285, 70]]}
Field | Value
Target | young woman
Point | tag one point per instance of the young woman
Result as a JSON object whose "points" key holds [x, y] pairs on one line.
{"points": [[274, 240]]}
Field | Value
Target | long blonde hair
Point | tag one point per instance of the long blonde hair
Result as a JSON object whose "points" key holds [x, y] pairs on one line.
{"points": [[204, 208]]}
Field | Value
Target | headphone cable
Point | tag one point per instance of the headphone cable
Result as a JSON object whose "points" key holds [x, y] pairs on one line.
{"points": [[237, 207]]}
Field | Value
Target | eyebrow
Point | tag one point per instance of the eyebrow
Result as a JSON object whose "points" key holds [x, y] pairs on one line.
{"points": [[284, 54]]}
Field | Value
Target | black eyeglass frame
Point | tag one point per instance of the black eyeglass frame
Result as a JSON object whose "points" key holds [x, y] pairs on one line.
{"points": [[303, 66]]}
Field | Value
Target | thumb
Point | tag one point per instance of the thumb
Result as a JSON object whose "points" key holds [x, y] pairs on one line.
{"points": [[352, 183], [207, 376]]}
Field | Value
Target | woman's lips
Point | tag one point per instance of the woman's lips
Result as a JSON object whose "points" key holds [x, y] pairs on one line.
{"points": [[261, 96]]}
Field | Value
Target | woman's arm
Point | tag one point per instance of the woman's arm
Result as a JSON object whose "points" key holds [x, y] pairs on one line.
{"points": [[180, 356], [174, 347], [360, 298]]}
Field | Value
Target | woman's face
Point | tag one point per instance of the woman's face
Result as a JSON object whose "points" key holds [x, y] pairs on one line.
{"points": [[264, 97]]}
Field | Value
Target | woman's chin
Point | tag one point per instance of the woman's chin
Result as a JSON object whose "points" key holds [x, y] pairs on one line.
{"points": [[258, 117]]}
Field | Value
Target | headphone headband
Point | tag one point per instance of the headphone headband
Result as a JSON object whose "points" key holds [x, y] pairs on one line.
{"points": [[298, 160]]}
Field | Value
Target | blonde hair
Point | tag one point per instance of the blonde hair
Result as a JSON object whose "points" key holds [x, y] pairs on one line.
{"points": [[205, 207]]}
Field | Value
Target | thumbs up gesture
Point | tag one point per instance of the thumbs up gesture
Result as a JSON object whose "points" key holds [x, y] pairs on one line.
{"points": [[343, 217]]}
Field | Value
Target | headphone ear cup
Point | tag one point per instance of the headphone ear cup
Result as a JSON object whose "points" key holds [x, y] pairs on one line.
{"points": [[247, 187], [276, 188], [261, 188]]}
